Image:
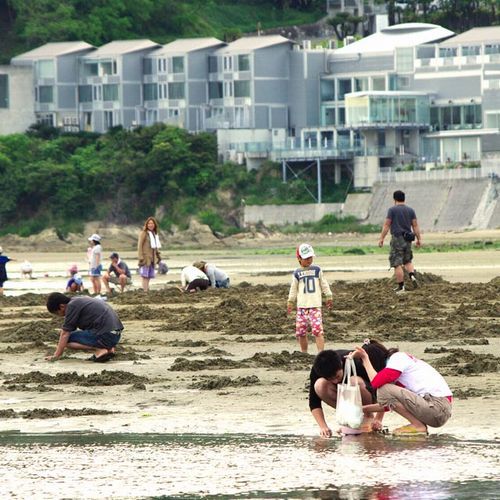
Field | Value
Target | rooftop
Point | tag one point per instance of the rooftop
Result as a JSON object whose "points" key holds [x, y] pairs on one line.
{"points": [[52, 50], [119, 47], [187, 45], [487, 34], [399, 35], [255, 42]]}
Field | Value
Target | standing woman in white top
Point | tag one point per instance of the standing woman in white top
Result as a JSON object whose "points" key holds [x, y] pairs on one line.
{"points": [[148, 250], [410, 387], [95, 264]]}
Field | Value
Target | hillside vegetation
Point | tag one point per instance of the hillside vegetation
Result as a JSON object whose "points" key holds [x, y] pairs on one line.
{"points": [[25, 24], [50, 179]]}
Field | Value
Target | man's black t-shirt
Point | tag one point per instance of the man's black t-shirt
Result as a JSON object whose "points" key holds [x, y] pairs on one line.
{"points": [[314, 399], [401, 217]]}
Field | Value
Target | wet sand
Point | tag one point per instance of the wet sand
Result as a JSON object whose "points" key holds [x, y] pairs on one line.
{"points": [[225, 361]]}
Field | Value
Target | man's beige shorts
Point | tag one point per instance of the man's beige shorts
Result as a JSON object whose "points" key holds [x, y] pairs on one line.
{"points": [[430, 410]]}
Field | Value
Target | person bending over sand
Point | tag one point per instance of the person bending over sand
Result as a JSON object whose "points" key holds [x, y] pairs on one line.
{"points": [[410, 387], [89, 324], [327, 372]]}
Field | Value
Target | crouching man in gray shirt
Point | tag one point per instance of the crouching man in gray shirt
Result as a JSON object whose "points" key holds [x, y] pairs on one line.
{"points": [[89, 324]]}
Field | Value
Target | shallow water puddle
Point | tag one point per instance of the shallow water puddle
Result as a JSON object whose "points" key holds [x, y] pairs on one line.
{"points": [[249, 466]]}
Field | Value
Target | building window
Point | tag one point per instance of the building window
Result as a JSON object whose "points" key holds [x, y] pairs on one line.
{"points": [[162, 91], [344, 88], [360, 84], [228, 63], [471, 51], [329, 116], [162, 65], [4, 91], [85, 93], [176, 90], [228, 89], [173, 112], [493, 120], [45, 69], [447, 52], [110, 92], [212, 64], [242, 88], [45, 94], [492, 49], [378, 83], [109, 119], [90, 69], [147, 66], [244, 62], [341, 116], [215, 90], [46, 119], [177, 64], [108, 68], [97, 92], [404, 59], [327, 90], [150, 91]]}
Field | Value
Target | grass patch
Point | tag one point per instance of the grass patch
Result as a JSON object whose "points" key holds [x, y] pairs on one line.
{"points": [[331, 224]]}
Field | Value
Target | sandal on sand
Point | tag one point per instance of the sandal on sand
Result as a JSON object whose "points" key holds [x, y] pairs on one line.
{"points": [[409, 430], [103, 358], [349, 431]]}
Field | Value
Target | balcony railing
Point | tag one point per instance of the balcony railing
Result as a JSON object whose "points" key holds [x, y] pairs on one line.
{"points": [[438, 174]]}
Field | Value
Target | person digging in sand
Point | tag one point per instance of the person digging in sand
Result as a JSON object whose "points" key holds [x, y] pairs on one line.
{"points": [[89, 324], [327, 372], [410, 387]]}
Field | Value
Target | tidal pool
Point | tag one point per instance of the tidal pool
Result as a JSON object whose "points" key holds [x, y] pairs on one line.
{"points": [[246, 466]]}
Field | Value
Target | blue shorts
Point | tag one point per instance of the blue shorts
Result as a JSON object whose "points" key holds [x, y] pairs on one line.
{"points": [[85, 337], [222, 284], [96, 271]]}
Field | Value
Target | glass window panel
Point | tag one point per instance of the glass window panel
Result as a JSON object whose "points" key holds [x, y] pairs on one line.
{"points": [[107, 68], [446, 117], [327, 89], [4, 91], [378, 83], [329, 116], [150, 91], [90, 69], [244, 63], [341, 116], [45, 69], [242, 88], [85, 93], [176, 90], [492, 49], [212, 64], [455, 115], [478, 115], [45, 93], [471, 51], [360, 84], [178, 64], [344, 88], [404, 59], [215, 90], [435, 118], [147, 66], [110, 92]]}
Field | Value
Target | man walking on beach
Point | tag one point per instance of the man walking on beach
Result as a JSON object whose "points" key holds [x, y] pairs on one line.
{"points": [[401, 220], [89, 324]]}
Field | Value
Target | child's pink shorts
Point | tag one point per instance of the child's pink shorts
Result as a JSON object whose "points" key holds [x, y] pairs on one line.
{"points": [[306, 316]]}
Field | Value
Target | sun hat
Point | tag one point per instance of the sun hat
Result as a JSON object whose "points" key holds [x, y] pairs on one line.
{"points": [[304, 251], [94, 237]]}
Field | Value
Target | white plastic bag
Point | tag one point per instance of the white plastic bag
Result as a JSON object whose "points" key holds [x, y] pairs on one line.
{"points": [[349, 411]]}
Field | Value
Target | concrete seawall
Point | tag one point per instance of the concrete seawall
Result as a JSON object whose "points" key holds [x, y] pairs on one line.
{"points": [[441, 205]]}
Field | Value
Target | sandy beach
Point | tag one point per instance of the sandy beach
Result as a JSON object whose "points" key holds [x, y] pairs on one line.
{"points": [[225, 361]]}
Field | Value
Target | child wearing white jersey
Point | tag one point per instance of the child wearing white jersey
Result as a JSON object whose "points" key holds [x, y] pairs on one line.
{"points": [[306, 291], [410, 387]]}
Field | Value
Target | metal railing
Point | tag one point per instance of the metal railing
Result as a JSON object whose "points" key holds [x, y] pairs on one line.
{"points": [[438, 174]]}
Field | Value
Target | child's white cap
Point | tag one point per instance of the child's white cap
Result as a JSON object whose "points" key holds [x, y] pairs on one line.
{"points": [[94, 237], [304, 251]]}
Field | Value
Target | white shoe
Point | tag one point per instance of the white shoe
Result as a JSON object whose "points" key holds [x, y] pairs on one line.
{"points": [[400, 291]]}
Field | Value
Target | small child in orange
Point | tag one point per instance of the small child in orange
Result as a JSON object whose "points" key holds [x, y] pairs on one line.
{"points": [[307, 288]]}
